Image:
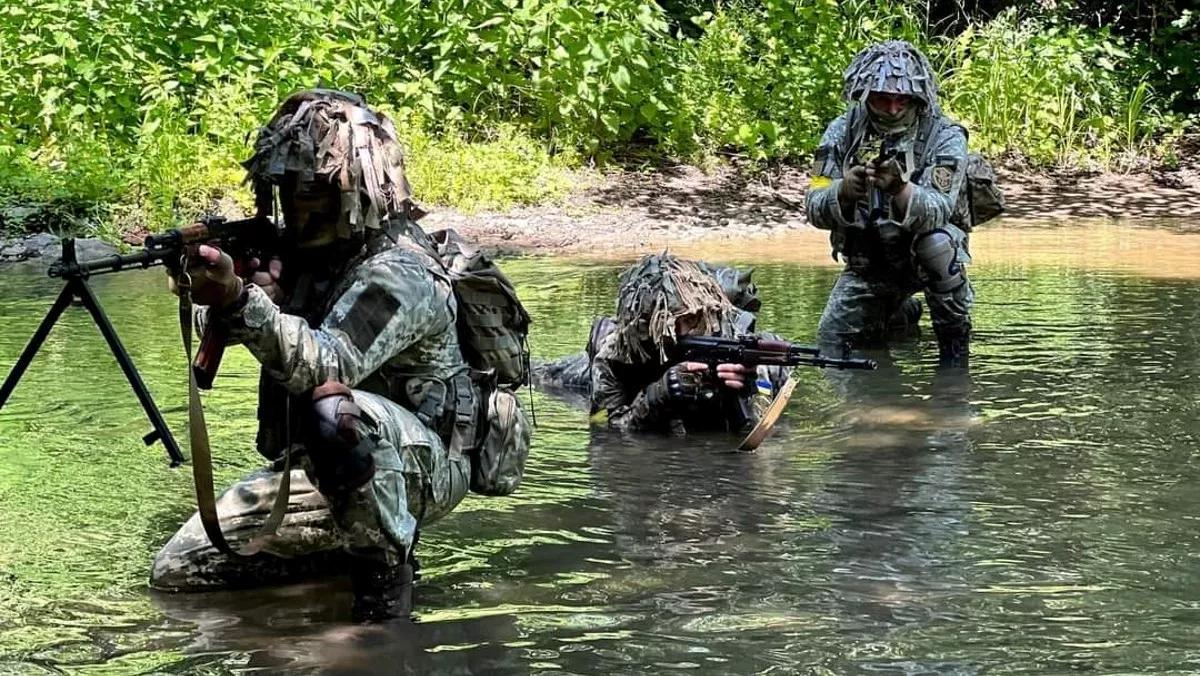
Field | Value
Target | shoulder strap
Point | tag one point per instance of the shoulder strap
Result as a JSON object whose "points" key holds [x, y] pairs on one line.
{"points": [[202, 475]]}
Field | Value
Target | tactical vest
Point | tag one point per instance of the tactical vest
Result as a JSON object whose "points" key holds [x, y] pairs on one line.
{"points": [[980, 199]]}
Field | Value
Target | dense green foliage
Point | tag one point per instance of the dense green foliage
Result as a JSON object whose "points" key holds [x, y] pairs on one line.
{"points": [[138, 111]]}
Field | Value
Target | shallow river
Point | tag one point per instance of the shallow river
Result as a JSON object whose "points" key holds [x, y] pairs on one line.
{"points": [[1039, 516]]}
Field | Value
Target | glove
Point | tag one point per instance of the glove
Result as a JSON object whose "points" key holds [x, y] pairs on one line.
{"points": [[854, 186], [213, 282], [681, 384], [888, 177]]}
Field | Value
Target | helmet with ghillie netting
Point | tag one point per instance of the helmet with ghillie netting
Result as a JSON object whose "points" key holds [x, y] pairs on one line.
{"points": [[323, 135], [656, 293], [892, 67]]}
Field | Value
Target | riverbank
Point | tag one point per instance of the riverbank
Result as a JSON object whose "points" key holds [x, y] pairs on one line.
{"points": [[625, 212], [629, 211]]}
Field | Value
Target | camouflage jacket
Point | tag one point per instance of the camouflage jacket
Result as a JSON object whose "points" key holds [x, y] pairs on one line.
{"points": [[384, 323], [937, 171]]}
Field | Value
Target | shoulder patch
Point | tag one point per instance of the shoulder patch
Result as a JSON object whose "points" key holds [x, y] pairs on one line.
{"points": [[943, 178], [369, 316]]}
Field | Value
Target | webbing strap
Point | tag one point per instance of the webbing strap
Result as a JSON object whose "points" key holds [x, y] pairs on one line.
{"points": [[202, 456]]}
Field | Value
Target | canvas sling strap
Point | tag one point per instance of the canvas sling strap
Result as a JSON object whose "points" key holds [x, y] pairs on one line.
{"points": [[202, 456], [771, 415]]}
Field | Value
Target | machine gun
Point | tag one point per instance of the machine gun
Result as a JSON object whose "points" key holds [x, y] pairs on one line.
{"points": [[752, 352], [252, 237]]}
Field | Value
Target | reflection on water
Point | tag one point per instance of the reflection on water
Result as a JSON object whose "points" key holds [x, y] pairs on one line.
{"points": [[1038, 515]]}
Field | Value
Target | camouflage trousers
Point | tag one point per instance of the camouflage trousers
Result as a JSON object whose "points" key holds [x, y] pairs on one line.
{"points": [[861, 304], [416, 482]]}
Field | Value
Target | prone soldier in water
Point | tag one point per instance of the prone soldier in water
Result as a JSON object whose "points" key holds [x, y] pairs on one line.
{"points": [[680, 356], [355, 325], [888, 183]]}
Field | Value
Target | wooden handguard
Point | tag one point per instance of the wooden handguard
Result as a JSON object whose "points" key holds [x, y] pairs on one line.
{"points": [[208, 356]]}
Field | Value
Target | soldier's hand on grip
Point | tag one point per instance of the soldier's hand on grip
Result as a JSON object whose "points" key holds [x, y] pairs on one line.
{"points": [[887, 176], [213, 281], [732, 376], [854, 186], [266, 277]]}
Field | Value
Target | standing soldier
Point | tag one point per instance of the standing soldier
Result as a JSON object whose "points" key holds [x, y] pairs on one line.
{"points": [[354, 325], [887, 182]]}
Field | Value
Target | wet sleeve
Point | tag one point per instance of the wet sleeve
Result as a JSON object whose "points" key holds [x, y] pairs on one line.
{"points": [[821, 201], [613, 405], [388, 307], [607, 392], [935, 194]]}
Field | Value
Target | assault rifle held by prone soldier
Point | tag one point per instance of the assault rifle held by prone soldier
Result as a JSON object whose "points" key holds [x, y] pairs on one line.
{"points": [[752, 352]]}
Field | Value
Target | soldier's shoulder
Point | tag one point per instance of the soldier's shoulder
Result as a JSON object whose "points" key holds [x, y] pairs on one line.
{"points": [[950, 138], [837, 126], [607, 348], [399, 259], [950, 129]]}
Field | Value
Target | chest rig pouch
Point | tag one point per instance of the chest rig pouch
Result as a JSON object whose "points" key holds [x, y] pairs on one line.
{"points": [[883, 246], [478, 416], [481, 418]]}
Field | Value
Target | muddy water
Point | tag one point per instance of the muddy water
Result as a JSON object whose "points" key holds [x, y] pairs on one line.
{"points": [[1038, 516]]}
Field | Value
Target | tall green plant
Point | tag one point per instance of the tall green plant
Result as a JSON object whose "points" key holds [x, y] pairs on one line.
{"points": [[767, 76], [1053, 93]]}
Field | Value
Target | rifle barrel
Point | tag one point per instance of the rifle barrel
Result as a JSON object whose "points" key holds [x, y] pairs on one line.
{"points": [[107, 264], [828, 362]]}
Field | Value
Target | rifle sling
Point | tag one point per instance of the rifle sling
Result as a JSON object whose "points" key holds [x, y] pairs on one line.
{"points": [[202, 456], [771, 415]]}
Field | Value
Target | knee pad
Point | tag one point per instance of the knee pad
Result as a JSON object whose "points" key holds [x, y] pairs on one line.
{"points": [[341, 453], [936, 255]]}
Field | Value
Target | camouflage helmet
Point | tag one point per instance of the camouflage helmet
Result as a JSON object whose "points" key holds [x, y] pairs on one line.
{"points": [[658, 291], [334, 137], [892, 67]]}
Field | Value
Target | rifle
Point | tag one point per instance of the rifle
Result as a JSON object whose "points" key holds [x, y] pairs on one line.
{"points": [[256, 237], [242, 238], [752, 352]]}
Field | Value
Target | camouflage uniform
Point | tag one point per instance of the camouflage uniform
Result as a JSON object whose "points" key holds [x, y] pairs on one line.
{"points": [[389, 333], [888, 256], [381, 320]]}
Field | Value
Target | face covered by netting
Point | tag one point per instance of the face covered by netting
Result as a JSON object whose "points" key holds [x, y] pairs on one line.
{"points": [[323, 139], [662, 297]]}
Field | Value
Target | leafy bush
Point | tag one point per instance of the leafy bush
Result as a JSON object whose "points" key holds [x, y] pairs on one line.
{"points": [[766, 76], [137, 111], [1053, 93]]}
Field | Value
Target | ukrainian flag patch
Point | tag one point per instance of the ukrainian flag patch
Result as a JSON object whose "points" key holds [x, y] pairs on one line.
{"points": [[764, 387]]}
